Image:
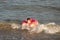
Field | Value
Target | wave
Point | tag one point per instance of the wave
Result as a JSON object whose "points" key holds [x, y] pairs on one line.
{"points": [[49, 28]]}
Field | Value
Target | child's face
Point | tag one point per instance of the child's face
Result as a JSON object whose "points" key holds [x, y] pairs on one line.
{"points": [[29, 21]]}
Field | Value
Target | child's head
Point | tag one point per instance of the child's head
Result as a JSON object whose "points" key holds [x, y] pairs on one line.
{"points": [[28, 18]]}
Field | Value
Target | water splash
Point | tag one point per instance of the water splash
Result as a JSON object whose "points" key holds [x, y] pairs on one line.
{"points": [[50, 28]]}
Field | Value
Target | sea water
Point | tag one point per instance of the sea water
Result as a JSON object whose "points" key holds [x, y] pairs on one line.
{"points": [[45, 11]]}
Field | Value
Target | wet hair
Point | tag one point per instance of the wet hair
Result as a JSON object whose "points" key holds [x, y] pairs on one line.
{"points": [[28, 18]]}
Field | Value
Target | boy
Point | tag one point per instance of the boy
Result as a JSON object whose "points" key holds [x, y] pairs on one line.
{"points": [[30, 23]]}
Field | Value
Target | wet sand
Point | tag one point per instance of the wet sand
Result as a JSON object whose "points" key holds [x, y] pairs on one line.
{"points": [[23, 35]]}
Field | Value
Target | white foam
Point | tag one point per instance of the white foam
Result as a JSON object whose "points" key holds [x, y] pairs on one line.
{"points": [[50, 28], [15, 26]]}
